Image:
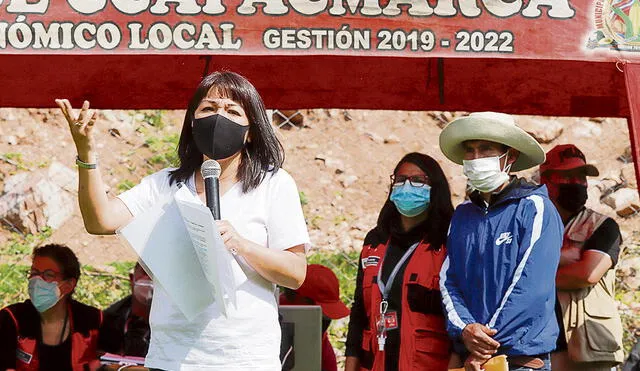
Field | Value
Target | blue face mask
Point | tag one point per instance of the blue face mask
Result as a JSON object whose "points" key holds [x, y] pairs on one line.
{"points": [[409, 200], [43, 294]]}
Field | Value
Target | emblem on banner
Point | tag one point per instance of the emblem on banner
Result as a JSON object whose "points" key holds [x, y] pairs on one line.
{"points": [[617, 25]]}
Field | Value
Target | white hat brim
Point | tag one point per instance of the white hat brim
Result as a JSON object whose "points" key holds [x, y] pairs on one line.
{"points": [[482, 128]]}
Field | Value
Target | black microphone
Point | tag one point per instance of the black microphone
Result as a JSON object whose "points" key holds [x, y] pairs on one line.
{"points": [[210, 171]]}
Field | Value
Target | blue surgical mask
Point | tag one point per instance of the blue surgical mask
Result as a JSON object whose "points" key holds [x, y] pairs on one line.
{"points": [[43, 294], [410, 200]]}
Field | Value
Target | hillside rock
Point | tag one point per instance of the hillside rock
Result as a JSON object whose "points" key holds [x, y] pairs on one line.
{"points": [[628, 174], [545, 131], [32, 201], [622, 198]]}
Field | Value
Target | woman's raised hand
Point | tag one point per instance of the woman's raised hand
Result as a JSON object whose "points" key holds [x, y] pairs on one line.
{"points": [[81, 126]]}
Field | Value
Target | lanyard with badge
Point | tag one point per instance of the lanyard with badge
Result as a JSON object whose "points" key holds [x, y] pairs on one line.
{"points": [[389, 320]]}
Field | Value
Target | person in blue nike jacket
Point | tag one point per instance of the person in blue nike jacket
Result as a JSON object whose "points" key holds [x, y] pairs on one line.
{"points": [[498, 281]]}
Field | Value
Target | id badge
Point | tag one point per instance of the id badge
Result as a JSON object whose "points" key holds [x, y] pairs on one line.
{"points": [[390, 322], [23, 356]]}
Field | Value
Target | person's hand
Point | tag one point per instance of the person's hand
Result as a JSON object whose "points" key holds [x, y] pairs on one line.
{"points": [[477, 339], [232, 240], [474, 363], [81, 127]]}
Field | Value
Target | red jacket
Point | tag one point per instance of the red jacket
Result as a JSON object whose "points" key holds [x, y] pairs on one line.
{"points": [[424, 344], [84, 323]]}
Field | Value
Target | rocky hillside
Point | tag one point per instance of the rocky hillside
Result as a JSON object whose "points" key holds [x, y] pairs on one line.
{"points": [[341, 160]]}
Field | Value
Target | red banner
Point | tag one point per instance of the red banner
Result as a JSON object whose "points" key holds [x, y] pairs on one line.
{"points": [[599, 30], [632, 77]]}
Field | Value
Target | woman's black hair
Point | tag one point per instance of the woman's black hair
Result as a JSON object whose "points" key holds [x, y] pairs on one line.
{"points": [[63, 256], [262, 154], [440, 208]]}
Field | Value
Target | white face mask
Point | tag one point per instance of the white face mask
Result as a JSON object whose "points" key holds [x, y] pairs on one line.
{"points": [[485, 174]]}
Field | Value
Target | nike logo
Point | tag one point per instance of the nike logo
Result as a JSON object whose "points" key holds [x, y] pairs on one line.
{"points": [[505, 238]]}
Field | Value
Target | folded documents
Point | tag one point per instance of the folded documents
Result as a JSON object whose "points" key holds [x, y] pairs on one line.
{"points": [[218, 264], [181, 248]]}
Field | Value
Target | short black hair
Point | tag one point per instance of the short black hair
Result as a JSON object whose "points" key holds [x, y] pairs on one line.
{"points": [[63, 256], [440, 207], [262, 154]]}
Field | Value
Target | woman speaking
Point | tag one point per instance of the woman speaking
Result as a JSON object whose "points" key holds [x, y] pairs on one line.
{"points": [[262, 224]]}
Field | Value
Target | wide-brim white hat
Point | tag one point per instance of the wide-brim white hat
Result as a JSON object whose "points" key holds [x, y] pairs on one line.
{"points": [[494, 127]]}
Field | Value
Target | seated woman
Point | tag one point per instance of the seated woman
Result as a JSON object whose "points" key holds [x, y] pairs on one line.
{"points": [[51, 331]]}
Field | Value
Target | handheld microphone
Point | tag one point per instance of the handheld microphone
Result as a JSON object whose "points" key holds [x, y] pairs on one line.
{"points": [[210, 171]]}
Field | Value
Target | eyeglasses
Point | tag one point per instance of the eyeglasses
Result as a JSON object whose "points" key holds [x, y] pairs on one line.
{"points": [[415, 180], [48, 275]]}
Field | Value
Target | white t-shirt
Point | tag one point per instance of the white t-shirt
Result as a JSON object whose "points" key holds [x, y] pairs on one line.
{"points": [[249, 337]]}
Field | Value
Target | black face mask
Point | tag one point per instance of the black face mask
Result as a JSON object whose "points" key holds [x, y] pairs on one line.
{"points": [[572, 197], [218, 137]]}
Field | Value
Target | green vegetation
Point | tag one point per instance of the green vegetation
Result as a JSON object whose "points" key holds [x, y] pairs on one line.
{"points": [[20, 245], [13, 283], [125, 185], [315, 221], [628, 296], [163, 146], [97, 288], [154, 118], [345, 265], [101, 288], [164, 149], [44, 163], [303, 198], [15, 159], [339, 219]]}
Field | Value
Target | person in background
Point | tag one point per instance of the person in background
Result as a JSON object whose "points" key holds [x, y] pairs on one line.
{"points": [[633, 362], [125, 330], [50, 331], [397, 321], [321, 287], [504, 244], [591, 331]]}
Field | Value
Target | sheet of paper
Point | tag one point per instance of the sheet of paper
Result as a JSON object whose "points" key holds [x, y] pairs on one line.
{"points": [[161, 240], [219, 265]]}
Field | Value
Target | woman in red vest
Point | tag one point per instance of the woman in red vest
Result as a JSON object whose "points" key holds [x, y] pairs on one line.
{"points": [[50, 331], [397, 322]]}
